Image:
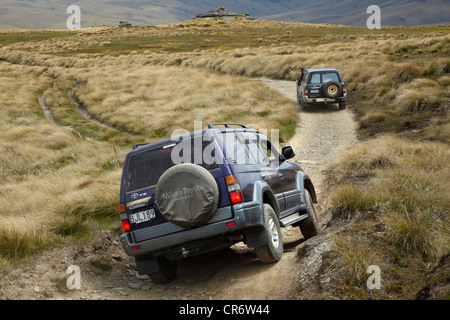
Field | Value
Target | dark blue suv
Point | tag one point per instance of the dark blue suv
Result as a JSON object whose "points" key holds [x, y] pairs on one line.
{"points": [[209, 189]]}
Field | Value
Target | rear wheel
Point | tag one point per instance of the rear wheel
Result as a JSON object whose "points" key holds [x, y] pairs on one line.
{"points": [[273, 250], [305, 106], [310, 227], [167, 271]]}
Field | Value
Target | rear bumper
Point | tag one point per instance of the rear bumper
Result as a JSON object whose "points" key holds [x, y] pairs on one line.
{"points": [[247, 216], [326, 100]]}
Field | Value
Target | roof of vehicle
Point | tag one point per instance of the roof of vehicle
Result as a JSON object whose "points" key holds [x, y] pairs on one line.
{"points": [[216, 127], [321, 69]]}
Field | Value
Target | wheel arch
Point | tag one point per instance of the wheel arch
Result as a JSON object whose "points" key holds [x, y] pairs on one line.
{"points": [[305, 182], [308, 185], [263, 193]]}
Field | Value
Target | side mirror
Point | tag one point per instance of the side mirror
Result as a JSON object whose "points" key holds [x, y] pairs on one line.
{"points": [[288, 152]]}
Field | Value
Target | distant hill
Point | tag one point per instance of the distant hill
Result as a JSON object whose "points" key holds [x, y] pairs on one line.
{"points": [[51, 14], [350, 12]]}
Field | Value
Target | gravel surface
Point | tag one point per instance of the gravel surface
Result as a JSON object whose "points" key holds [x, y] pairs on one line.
{"points": [[322, 132]]}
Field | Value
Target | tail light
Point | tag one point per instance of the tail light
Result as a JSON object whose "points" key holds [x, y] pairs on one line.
{"points": [[234, 189], [306, 92], [125, 223], [344, 91]]}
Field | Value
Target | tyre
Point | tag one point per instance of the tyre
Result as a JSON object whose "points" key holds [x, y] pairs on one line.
{"points": [[310, 227], [332, 89], [273, 250], [305, 106], [302, 105], [187, 195], [167, 271], [342, 106]]}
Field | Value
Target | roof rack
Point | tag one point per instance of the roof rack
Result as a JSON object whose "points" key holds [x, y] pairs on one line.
{"points": [[139, 145], [226, 125]]}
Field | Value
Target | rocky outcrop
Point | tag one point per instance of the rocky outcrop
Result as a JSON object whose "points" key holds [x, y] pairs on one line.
{"points": [[124, 24], [223, 13]]}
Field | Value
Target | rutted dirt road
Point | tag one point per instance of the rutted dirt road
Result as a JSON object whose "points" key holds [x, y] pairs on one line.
{"points": [[321, 133], [107, 273]]}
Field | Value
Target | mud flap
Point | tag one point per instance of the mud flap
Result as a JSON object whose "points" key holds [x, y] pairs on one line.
{"points": [[146, 265], [257, 239]]}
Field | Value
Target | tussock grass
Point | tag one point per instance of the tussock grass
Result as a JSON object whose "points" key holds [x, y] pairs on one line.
{"points": [[418, 96], [421, 231], [356, 257], [396, 191], [41, 164], [398, 173], [439, 129], [153, 101], [17, 243]]}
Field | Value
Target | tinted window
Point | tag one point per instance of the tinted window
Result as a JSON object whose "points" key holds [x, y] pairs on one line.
{"points": [[324, 77], [315, 78], [260, 149], [330, 76], [234, 148], [145, 168]]}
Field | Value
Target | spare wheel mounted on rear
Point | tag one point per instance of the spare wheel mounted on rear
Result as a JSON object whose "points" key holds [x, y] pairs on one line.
{"points": [[187, 195], [332, 89]]}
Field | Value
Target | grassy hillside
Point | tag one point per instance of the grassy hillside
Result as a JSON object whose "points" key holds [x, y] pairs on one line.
{"points": [[141, 83]]}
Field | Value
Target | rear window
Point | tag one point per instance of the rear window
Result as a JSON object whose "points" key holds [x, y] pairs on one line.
{"points": [[315, 78], [323, 77], [330, 76], [145, 168]]}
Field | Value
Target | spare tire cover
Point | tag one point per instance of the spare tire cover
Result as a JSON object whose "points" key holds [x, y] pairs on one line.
{"points": [[187, 195], [336, 92]]}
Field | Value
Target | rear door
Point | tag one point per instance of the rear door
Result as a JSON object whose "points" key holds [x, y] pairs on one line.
{"points": [[315, 85], [143, 170]]}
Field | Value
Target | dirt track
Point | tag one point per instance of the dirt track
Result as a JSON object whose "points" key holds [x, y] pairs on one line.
{"points": [[232, 274]]}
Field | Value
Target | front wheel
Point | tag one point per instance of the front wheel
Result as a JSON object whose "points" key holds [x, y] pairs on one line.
{"points": [[273, 250]]}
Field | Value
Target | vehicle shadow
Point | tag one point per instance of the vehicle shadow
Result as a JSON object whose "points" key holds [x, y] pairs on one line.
{"points": [[237, 260], [319, 108]]}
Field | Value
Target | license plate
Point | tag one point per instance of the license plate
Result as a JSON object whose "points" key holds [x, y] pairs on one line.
{"points": [[142, 216], [314, 91]]}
